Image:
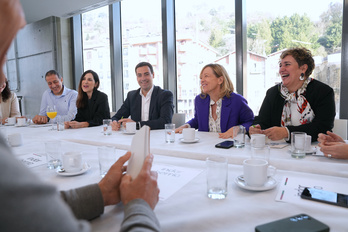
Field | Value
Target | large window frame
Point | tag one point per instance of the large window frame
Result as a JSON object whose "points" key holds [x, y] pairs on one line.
{"points": [[169, 51]]}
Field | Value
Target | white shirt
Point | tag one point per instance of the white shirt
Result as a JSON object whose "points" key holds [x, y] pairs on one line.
{"points": [[145, 105]]}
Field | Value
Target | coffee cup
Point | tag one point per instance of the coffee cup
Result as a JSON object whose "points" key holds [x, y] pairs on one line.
{"points": [[72, 161], [258, 140], [15, 139], [257, 171], [131, 127], [189, 134], [21, 121], [11, 121]]}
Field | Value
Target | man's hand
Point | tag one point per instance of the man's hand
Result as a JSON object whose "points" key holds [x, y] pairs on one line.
{"points": [[110, 184], [115, 125], [75, 124], [124, 121], [39, 119], [143, 187], [330, 137]]}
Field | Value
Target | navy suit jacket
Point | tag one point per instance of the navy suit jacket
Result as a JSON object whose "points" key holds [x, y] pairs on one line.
{"points": [[160, 112], [234, 111]]}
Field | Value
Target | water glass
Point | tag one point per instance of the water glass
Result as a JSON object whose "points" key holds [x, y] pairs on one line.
{"points": [[169, 130], [107, 157], [217, 174], [107, 129], [53, 153], [298, 145], [239, 136]]}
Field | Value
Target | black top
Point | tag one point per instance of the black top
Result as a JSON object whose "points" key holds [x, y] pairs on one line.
{"points": [[321, 99]]}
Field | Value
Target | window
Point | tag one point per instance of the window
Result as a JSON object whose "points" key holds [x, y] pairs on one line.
{"points": [[273, 27], [96, 47], [141, 39], [205, 34]]}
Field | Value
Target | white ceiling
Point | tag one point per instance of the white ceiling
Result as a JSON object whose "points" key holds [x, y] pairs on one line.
{"points": [[36, 10]]}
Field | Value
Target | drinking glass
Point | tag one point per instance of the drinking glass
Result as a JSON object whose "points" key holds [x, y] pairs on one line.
{"points": [[51, 113]]}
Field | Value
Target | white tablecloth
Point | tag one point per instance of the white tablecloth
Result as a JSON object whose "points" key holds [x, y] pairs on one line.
{"points": [[189, 209]]}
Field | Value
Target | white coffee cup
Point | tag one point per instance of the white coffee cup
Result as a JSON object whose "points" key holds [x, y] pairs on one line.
{"points": [[257, 171], [15, 139], [308, 146], [131, 127], [21, 121], [189, 134], [258, 140], [11, 121], [72, 161]]}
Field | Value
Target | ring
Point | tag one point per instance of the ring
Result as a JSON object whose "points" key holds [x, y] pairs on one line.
{"points": [[329, 155]]}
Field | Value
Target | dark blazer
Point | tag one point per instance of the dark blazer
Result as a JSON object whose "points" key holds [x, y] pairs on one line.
{"points": [[96, 110], [234, 111], [160, 112], [319, 95]]}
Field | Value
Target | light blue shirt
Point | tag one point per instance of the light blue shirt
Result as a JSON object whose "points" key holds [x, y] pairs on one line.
{"points": [[65, 104]]}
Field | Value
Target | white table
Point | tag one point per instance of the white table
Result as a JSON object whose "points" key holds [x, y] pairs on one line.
{"points": [[189, 209]]}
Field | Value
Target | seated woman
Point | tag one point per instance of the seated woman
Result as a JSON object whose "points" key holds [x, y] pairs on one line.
{"points": [[92, 105], [333, 146], [9, 106], [218, 108], [299, 103]]}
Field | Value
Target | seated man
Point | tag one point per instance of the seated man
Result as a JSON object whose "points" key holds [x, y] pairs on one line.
{"points": [[149, 105], [59, 95]]}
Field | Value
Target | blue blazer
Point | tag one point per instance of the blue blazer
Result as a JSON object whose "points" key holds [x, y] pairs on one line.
{"points": [[234, 111], [160, 112]]}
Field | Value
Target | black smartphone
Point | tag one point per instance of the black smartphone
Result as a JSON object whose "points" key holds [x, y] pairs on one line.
{"points": [[300, 222], [320, 195], [225, 144]]}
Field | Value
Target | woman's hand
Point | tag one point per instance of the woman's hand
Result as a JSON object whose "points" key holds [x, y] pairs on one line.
{"points": [[337, 150], [228, 134], [179, 129], [276, 133], [75, 124], [255, 129]]}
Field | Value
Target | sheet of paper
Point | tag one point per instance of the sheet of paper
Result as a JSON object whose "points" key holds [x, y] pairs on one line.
{"points": [[33, 160], [290, 188], [172, 178]]}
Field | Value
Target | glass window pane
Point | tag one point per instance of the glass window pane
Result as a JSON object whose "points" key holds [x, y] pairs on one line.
{"points": [[205, 34], [96, 47], [141, 40], [273, 27]]}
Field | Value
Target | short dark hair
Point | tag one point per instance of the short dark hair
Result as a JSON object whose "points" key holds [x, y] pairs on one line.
{"points": [[302, 56], [52, 72], [142, 64]]}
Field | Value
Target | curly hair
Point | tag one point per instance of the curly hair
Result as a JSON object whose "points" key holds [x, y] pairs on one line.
{"points": [[302, 56], [6, 93], [226, 86], [82, 98]]}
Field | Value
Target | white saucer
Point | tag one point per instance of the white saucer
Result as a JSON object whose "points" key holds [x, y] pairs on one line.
{"points": [[84, 169], [8, 124], [189, 141], [128, 133], [270, 184], [40, 125], [21, 125]]}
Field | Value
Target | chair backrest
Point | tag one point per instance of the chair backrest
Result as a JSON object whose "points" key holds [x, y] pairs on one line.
{"points": [[340, 128], [178, 119], [112, 114]]}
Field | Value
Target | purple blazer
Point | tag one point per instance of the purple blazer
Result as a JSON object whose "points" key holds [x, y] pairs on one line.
{"points": [[234, 111]]}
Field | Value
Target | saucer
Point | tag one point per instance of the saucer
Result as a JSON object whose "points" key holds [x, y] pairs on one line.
{"points": [[8, 124], [189, 141], [21, 125], [84, 169], [270, 184], [128, 133]]}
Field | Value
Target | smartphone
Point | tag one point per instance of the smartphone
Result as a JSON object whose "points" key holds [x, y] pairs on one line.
{"points": [[225, 144], [325, 196], [300, 222]]}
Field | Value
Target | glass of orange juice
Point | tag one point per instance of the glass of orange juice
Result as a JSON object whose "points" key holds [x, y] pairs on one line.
{"points": [[51, 113]]}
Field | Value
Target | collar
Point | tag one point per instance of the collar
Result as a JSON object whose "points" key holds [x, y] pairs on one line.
{"points": [[148, 93]]}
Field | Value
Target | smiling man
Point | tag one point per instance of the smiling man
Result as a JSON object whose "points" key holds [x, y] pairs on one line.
{"points": [[149, 105], [63, 98]]}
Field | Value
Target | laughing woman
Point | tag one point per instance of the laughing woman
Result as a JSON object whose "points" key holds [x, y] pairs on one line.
{"points": [[92, 105], [298, 103], [218, 108]]}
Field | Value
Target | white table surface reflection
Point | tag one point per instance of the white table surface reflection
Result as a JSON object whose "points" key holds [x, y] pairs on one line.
{"points": [[189, 209]]}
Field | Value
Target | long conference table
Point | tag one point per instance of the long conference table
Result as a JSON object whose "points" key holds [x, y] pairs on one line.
{"points": [[187, 208]]}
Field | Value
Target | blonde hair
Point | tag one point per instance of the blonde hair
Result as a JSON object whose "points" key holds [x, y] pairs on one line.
{"points": [[226, 86]]}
